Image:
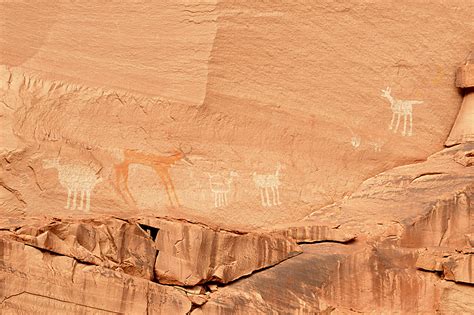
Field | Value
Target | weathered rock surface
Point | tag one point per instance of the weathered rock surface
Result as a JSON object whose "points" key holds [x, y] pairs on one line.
{"points": [[458, 267], [198, 142], [110, 243], [409, 208], [191, 254], [463, 128], [246, 105], [35, 282], [305, 232], [465, 75]]}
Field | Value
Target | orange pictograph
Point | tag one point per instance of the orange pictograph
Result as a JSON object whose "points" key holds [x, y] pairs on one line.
{"points": [[161, 165]]}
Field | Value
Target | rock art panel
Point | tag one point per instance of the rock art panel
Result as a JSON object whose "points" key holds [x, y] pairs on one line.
{"points": [[245, 85]]}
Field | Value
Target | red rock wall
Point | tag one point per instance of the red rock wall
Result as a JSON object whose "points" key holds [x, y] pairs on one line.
{"points": [[239, 129]]}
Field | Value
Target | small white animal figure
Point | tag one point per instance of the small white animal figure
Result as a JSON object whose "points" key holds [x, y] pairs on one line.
{"points": [[377, 147], [355, 141], [75, 178], [265, 181], [399, 108], [220, 186]]}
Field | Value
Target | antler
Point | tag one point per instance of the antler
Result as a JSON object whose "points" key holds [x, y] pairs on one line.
{"points": [[181, 149], [185, 158], [387, 91]]}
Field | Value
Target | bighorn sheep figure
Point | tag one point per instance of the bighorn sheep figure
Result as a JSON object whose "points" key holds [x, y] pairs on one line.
{"points": [[75, 178], [265, 181], [399, 108], [220, 186]]}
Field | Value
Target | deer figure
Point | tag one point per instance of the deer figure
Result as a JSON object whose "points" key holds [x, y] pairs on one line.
{"points": [[220, 186], [75, 178], [161, 165], [266, 181], [399, 108]]}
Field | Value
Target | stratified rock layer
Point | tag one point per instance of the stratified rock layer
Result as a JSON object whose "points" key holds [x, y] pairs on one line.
{"points": [[35, 281], [191, 254], [110, 243], [169, 158], [410, 208]]}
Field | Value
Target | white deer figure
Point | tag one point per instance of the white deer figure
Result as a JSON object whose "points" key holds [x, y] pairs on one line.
{"points": [[75, 178], [266, 181], [220, 186], [399, 108]]}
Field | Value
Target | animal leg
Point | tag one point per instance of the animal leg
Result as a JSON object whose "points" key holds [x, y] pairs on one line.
{"points": [[225, 199], [216, 202], [398, 123], [169, 192], [268, 197], [404, 133], [173, 191], [82, 200], [88, 200], [121, 180], [74, 195], [169, 187], [262, 197], [411, 125], [278, 195], [274, 196], [68, 198], [392, 121], [125, 182], [221, 199]]}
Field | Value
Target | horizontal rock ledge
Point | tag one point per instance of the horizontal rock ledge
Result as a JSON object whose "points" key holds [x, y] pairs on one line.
{"points": [[191, 254]]}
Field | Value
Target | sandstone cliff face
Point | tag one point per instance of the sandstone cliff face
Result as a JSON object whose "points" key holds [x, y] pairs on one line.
{"points": [[190, 254], [36, 281], [225, 157], [109, 243], [385, 269]]}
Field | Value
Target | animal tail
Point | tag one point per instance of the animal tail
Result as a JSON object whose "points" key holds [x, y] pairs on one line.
{"points": [[416, 102]]}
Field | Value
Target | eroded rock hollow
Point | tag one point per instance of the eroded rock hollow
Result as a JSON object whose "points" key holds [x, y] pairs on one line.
{"points": [[226, 157]]}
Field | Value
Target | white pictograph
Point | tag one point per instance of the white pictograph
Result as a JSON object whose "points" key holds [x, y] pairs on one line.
{"points": [[355, 139], [75, 178], [400, 108], [220, 186], [376, 146], [266, 181]]}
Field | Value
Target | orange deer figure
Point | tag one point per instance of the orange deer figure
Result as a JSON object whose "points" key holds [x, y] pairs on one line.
{"points": [[160, 164]]}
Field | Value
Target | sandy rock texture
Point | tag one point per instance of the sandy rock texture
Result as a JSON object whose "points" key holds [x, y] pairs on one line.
{"points": [[111, 243], [190, 254], [236, 157], [417, 218], [36, 281]]}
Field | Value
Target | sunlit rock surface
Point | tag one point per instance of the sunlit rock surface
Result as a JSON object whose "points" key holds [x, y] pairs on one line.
{"points": [[222, 157]]}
